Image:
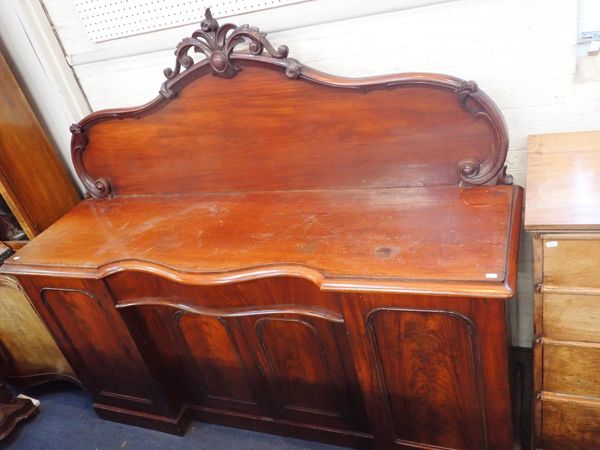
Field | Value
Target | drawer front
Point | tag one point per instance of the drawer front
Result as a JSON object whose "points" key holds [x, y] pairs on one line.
{"points": [[571, 370], [572, 262], [570, 426], [572, 317]]}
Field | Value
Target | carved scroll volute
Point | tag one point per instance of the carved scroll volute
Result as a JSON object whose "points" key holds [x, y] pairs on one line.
{"points": [[217, 43], [492, 170], [96, 188]]}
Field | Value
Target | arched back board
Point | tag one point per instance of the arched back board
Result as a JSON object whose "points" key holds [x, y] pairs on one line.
{"points": [[256, 120]]}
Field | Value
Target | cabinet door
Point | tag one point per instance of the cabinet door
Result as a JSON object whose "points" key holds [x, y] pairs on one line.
{"points": [[221, 368], [307, 364], [432, 377], [88, 329]]}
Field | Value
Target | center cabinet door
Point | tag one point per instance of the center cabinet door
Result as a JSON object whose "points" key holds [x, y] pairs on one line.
{"points": [[304, 356], [254, 353]]}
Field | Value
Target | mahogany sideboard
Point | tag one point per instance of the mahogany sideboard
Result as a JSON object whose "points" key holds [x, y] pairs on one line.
{"points": [[271, 247]]}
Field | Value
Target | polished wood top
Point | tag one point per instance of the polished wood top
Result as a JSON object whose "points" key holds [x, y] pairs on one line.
{"points": [[563, 182], [445, 240]]}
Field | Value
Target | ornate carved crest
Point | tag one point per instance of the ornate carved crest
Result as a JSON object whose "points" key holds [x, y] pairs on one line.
{"points": [[217, 43]]}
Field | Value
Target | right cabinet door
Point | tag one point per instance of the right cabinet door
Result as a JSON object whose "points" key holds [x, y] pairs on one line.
{"points": [[433, 370]]}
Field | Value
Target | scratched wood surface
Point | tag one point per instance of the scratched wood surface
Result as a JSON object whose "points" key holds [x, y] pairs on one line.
{"points": [[380, 233]]}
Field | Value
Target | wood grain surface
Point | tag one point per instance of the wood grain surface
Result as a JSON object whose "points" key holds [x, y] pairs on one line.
{"points": [[28, 351], [33, 180], [281, 134], [331, 237], [412, 348], [563, 187], [572, 317], [572, 262], [572, 368], [571, 426]]}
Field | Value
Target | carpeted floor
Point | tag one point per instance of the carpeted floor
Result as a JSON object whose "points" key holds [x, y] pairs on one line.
{"points": [[67, 421]]}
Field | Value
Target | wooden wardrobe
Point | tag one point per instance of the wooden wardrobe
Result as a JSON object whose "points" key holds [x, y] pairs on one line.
{"points": [[35, 190]]}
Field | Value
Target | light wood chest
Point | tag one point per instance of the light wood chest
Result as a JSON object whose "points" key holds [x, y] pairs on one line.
{"points": [[563, 210]]}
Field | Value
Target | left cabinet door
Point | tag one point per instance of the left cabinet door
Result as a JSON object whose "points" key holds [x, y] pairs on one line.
{"points": [[89, 330]]}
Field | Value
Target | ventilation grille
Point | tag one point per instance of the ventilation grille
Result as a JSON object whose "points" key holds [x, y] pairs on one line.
{"points": [[104, 20]]}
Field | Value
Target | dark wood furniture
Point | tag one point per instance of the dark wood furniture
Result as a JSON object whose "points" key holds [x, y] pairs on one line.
{"points": [[267, 246], [35, 190]]}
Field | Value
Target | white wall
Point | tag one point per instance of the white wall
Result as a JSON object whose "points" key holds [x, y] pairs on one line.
{"points": [[521, 52]]}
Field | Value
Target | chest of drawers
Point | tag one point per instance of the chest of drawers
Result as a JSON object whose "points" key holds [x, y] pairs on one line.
{"points": [[563, 209]]}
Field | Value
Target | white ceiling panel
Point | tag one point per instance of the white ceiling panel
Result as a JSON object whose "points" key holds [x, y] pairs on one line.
{"points": [[104, 20]]}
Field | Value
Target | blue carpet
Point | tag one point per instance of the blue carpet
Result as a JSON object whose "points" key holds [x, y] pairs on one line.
{"points": [[67, 421]]}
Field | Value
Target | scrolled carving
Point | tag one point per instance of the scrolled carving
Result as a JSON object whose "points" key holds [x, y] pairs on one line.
{"points": [[469, 167], [465, 90], [293, 68], [492, 170], [505, 178], [217, 44], [96, 188]]}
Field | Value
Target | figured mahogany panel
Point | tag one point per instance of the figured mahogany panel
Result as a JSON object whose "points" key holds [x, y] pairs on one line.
{"points": [[113, 368], [296, 356], [271, 294], [225, 371], [261, 131], [429, 368], [305, 358]]}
